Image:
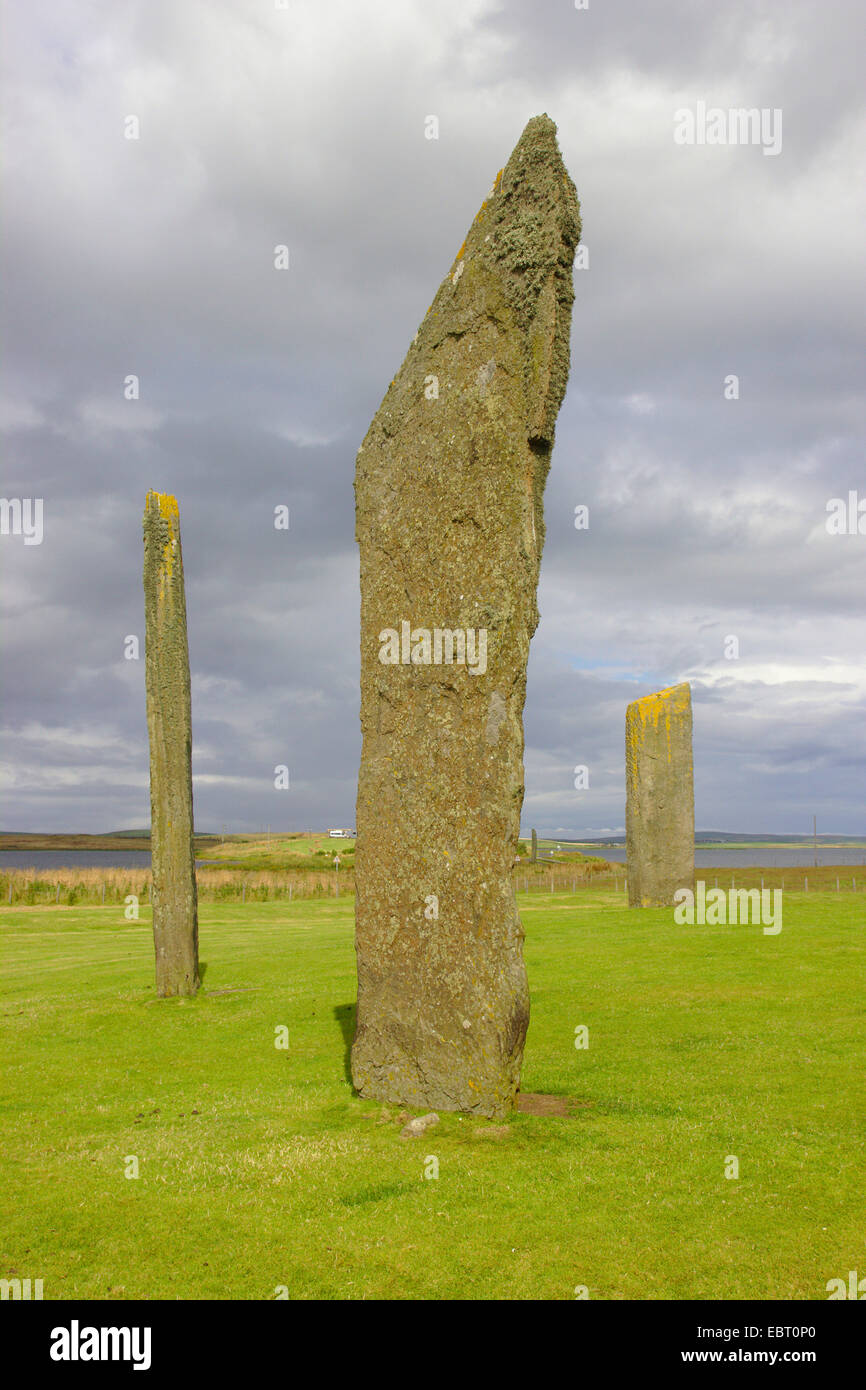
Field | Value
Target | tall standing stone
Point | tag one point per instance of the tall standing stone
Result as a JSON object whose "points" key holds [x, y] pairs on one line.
{"points": [[175, 901], [449, 484], [660, 797]]}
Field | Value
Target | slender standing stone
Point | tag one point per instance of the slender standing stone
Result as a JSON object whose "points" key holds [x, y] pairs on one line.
{"points": [[175, 901], [448, 485], [534, 847], [660, 797]]}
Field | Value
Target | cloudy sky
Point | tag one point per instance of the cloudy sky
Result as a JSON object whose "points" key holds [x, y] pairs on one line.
{"points": [[306, 125]]}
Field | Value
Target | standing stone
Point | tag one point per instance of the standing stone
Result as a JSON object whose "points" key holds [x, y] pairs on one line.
{"points": [[660, 797], [175, 901], [534, 847], [449, 484]]}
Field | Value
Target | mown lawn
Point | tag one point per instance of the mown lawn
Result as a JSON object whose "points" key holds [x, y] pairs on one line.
{"points": [[259, 1169]]}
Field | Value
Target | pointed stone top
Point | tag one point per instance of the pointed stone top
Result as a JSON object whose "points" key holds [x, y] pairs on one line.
{"points": [[538, 141], [515, 267]]}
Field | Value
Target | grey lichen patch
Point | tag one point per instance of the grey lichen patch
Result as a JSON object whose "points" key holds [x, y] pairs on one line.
{"points": [[449, 520], [536, 251], [484, 375], [497, 713]]}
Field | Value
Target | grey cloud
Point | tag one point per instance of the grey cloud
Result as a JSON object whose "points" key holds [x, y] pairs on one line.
{"points": [[306, 127]]}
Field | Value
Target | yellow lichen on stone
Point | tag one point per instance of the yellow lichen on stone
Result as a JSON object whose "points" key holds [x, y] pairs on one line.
{"points": [[167, 505], [675, 698], [651, 708], [660, 796], [169, 512]]}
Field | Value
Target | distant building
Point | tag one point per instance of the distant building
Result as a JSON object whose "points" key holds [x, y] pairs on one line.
{"points": [[341, 834]]}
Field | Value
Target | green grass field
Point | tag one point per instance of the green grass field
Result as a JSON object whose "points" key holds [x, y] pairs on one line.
{"points": [[258, 1168]]}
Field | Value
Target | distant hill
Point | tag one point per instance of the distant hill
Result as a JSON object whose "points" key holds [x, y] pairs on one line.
{"points": [[736, 837], [114, 840], [144, 834], [727, 837]]}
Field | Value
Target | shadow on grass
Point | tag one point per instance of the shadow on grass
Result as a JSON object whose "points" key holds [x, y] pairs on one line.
{"points": [[345, 1016]]}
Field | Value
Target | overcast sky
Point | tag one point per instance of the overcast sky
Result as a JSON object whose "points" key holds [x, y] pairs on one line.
{"points": [[307, 126]]}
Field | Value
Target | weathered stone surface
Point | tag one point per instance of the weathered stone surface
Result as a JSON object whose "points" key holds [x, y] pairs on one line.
{"points": [[175, 900], [449, 484], [660, 800]]}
